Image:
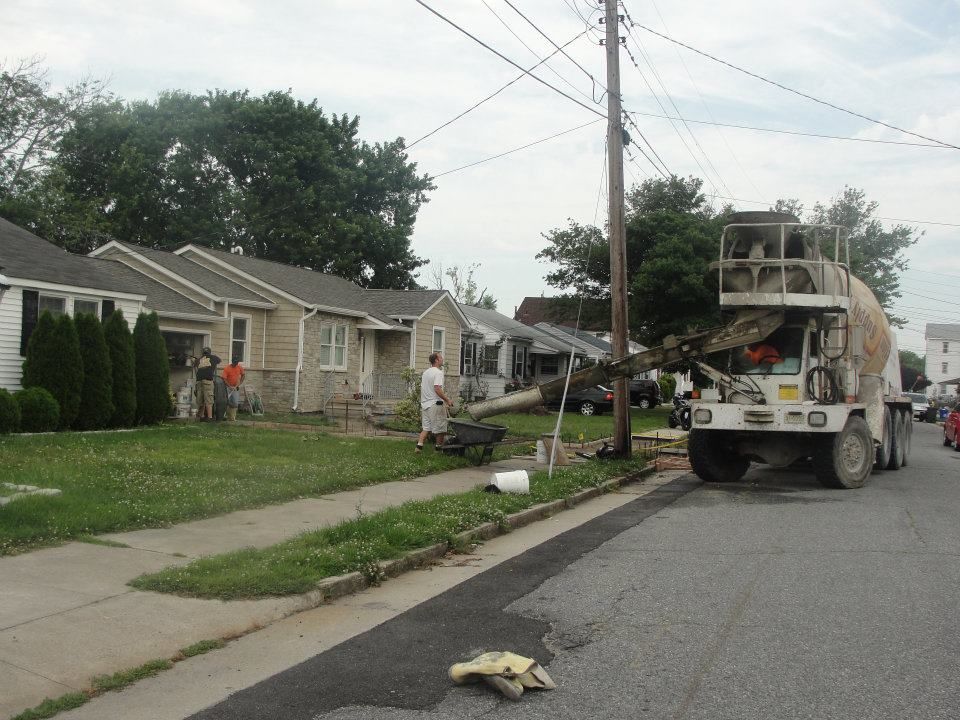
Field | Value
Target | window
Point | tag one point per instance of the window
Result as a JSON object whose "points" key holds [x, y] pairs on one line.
{"points": [[946, 347], [944, 367], [491, 364], [468, 358], [55, 305], [519, 361], [439, 338], [91, 307], [239, 338], [549, 364], [333, 347]]}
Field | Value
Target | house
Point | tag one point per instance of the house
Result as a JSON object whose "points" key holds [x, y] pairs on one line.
{"points": [[36, 276], [305, 337], [499, 352], [942, 358], [561, 311]]}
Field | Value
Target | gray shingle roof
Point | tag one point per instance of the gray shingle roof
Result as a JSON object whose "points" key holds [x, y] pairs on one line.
{"points": [[405, 303], [942, 332], [210, 281], [500, 322], [584, 338]]}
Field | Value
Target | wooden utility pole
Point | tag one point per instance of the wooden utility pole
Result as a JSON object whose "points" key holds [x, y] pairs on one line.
{"points": [[622, 440]]}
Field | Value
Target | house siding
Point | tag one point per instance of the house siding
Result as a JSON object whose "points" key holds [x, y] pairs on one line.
{"points": [[441, 315], [935, 357], [316, 382]]}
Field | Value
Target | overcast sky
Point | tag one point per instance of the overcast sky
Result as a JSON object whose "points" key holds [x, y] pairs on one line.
{"points": [[404, 72]]}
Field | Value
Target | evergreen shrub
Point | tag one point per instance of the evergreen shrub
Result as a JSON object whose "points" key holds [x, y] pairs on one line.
{"points": [[39, 410], [120, 345], [96, 396], [9, 413], [54, 363], [152, 370]]}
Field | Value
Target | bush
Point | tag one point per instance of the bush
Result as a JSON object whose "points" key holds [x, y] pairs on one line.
{"points": [[39, 410], [152, 370], [407, 410], [9, 413], [668, 384], [54, 363], [96, 393], [119, 341]]}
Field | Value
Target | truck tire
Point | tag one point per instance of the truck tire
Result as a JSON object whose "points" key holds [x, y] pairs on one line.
{"points": [[844, 460], [897, 446], [886, 445], [713, 458], [908, 434]]}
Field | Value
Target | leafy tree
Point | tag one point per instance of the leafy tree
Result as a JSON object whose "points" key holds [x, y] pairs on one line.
{"points": [[39, 410], [120, 345], [33, 120], [152, 370], [911, 372], [54, 363], [271, 175], [96, 397]]}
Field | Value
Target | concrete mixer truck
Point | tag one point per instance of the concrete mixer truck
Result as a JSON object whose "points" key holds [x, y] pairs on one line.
{"points": [[806, 368]]}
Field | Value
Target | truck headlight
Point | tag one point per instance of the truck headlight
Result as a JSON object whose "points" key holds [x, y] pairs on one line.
{"points": [[817, 419], [702, 416]]}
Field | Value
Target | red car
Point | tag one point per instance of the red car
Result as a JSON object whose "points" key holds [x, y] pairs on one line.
{"points": [[951, 428]]}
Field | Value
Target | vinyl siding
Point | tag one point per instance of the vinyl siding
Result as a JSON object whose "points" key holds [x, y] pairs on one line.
{"points": [[443, 316]]}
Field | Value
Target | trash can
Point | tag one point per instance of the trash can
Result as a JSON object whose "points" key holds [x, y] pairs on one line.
{"points": [[931, 414]]}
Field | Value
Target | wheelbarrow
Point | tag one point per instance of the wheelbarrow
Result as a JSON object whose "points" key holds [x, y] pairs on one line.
{"points": [[472, 439]]}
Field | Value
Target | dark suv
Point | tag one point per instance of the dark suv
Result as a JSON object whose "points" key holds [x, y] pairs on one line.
{"points": [[645, 393]]}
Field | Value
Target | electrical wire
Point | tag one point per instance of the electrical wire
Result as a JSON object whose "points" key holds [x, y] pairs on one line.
{"points": [[516, 149], [666, 172], [791, 90], [492, 95], [506, 59]]}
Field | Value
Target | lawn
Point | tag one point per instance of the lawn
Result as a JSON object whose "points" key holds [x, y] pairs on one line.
{"points": [[595, 427], [160, 476]]}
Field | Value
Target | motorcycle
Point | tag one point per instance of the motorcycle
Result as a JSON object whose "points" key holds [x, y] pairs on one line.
{"points": [[680, 415]]}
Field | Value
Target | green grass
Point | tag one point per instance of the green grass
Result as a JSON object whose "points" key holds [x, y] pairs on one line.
{"points": [[290, 418], [295, 566], [160, 476], [50, 707], [595, 427], [120, 680], [202, 647]]}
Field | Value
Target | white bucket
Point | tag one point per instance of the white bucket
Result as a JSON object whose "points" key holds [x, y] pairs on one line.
{"points": [[515, 481]]}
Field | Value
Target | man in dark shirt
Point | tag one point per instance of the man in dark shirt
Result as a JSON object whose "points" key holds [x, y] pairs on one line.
{"points": [[206, 366]]}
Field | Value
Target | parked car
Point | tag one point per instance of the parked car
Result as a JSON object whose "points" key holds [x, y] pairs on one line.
{"points": [[920, 405], [594, 400], [951, 427], [645, 393]]}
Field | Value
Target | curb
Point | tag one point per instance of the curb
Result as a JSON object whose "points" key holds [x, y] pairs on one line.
{"points": [[341, 585]]}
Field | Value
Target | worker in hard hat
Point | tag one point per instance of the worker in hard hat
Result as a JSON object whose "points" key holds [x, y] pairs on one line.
{"points": [[763, 354]]}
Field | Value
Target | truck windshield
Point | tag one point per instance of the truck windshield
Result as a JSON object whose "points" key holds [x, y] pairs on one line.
{"points": [[780, 354]]}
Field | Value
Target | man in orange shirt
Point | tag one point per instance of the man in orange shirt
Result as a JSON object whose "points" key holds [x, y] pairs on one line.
{"points": [[232, 376], [763, 354]]}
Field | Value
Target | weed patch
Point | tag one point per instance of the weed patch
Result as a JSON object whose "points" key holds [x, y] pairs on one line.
{"points": [[50, 707]]}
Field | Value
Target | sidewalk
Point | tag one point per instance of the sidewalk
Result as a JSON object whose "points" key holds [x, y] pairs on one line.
{"points": [[67, 615]]}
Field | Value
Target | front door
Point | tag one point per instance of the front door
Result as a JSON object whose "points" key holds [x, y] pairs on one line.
{"points": [[368, 352]]}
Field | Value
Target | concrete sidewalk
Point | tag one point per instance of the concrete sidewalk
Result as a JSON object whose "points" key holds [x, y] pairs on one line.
{"points": [[67, 615]]}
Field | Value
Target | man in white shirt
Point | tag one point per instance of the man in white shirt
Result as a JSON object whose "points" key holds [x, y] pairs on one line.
{"points": [[433, 402]]}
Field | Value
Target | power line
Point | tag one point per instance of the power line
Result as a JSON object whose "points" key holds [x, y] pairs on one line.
{"points": [[791, 90], [643, 137], [503, 22], [795, 132], [491, 95], [516, 149], [547, 38], [506, 59]]}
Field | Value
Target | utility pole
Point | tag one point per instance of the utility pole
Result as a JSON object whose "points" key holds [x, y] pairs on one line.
{"points": [[622, 440]]}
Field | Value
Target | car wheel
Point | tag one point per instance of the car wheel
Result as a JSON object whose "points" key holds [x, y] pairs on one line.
{"points": [[644, 403], [588, 408], [946, 441]]}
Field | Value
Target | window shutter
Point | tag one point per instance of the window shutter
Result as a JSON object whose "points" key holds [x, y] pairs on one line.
{"points": [[31, 303], [106, 310]]}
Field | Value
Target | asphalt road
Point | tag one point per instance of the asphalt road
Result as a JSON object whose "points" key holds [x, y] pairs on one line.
{"points": [[769, 598]]}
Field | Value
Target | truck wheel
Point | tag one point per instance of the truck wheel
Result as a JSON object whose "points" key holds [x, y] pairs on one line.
{"points": [[896, 448], [886, 445], [844, 460], [644, 403], [908, 435], [713, 458]]}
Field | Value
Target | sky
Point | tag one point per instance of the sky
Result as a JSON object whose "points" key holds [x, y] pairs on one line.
{"points": [[405, 72]]}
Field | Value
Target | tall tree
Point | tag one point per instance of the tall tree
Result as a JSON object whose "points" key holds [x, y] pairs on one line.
{"points": [[96, 395], [54, 363], [272, 175], [120, 344], [462, 285], [152, 370]]}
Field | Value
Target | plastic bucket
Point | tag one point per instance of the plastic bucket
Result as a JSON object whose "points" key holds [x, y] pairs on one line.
{"points": [[515, 481]]}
